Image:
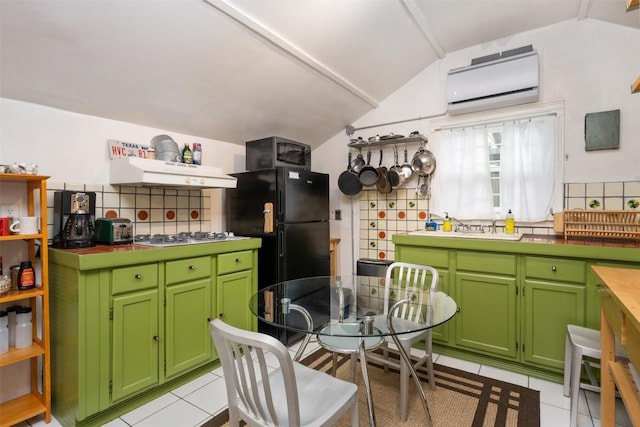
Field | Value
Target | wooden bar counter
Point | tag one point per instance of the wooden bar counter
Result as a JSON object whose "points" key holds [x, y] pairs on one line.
{"points": [[620, 317]]}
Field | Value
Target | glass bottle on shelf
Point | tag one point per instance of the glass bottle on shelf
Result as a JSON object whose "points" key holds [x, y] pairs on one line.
{"points": [[187, 155]]}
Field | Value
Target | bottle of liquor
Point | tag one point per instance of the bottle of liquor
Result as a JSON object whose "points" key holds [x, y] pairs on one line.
{"points": [[187, 155], [197, 154]]}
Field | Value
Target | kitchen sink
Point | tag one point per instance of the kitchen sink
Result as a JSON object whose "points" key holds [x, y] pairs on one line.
{"points": [[467, 235]]}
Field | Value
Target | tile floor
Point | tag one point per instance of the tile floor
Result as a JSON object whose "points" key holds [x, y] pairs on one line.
{"points": [[192, 404]]}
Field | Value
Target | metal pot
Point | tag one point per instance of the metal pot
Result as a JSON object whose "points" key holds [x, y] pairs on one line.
{"points": [[407, 171], [396, 175], [423, 162], [358, 163]]}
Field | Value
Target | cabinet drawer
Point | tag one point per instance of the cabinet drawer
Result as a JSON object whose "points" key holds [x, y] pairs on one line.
{"points": [[188, 269], [134, 278], [438, 258], [556, 269], [487, 262], [235, 261]]}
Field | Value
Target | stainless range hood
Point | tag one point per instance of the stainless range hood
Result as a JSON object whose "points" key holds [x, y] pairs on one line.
{"points": [[137, 171]]}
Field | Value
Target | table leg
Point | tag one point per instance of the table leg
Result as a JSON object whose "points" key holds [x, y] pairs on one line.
{"points": [[608, 388], [365, 380]]}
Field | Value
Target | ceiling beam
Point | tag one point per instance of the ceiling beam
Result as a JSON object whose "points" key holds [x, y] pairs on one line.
{"points": [[290, 50], [632, 4], [421, 22]]}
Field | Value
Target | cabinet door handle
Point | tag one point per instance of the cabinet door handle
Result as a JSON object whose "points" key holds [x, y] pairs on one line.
{"points": [[138, 276], [238, 260], [221, 315], [209, 319], [553, 268], [192, 268], [457, 309], [156, 338]]}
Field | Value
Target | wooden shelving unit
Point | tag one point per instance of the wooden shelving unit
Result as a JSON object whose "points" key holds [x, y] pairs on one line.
{"points": [[38, 401]]}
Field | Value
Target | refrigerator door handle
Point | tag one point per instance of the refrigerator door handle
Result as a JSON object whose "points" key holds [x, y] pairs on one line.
{"points": [[281, 244], [268, 217]]}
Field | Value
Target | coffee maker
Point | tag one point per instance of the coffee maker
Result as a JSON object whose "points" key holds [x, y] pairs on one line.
{"points": [[74, 219]]}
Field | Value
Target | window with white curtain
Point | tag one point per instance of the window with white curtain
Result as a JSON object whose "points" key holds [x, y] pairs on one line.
{"points": [[485, 169]]}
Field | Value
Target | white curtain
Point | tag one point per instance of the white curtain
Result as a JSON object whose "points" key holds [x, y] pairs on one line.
{"points": [[527, 168], [461, 184]]}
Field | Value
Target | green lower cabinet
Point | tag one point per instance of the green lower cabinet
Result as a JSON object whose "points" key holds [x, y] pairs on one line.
{"points": [[548, 308], [135, 343], [233, 292], [487, 320], [187, 343]]}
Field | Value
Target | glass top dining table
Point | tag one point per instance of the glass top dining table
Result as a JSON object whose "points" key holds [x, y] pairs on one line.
{"points": [[348, 314]]}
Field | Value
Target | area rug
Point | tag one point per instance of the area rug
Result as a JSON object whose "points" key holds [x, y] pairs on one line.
{"points": [[460, 399]]}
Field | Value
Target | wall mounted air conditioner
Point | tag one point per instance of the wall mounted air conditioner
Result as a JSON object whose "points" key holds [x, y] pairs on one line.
{"points": [[495, 81]]}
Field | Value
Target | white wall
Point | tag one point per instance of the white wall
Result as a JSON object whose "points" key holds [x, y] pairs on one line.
{"points": [[72, 147], [588, 64]]}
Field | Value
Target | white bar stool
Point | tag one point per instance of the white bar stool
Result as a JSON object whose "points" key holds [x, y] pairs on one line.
{"points": [[581, 342]]}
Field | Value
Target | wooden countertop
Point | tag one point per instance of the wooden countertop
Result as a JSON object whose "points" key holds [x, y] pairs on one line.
{"points": [[624, 284]]}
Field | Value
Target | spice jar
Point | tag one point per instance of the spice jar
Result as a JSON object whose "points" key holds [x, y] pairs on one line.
{"points": [[24, 328]]}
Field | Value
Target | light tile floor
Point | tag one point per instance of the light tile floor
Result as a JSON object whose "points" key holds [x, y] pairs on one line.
{"points": [[193, 403]]}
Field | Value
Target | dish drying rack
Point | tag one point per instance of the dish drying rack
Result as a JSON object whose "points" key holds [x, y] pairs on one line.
{"points": [[610, 224]]}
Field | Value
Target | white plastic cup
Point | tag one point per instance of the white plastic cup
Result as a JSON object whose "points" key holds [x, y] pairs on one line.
{"points": [[24, 328], [4, 332]]}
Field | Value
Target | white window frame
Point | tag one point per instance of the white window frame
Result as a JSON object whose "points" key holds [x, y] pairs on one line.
{"points": [[518, 113]]}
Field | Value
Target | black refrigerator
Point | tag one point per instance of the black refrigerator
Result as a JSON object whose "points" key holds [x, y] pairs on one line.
{"points": [[288, 208]]}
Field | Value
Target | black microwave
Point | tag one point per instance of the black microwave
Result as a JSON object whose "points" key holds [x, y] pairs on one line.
{"points": [[267, 153]]}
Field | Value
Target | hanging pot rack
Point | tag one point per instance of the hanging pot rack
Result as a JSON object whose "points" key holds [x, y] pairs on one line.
{"points": [[411, 139]]}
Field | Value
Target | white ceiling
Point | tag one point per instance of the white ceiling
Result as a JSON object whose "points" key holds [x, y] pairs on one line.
{"points": [[236, 70]]}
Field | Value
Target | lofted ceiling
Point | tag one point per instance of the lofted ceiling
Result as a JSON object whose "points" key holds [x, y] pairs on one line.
{"points": [[236, 70]]}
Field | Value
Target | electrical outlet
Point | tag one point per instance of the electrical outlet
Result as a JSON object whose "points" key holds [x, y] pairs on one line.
{"points": [[12, 211]]}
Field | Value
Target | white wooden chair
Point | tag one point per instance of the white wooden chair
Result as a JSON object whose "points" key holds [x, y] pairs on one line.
{"points": [[304, 396]]}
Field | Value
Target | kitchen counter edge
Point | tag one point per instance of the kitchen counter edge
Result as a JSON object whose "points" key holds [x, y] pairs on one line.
{"points": [[533, 245], [106, 256]]}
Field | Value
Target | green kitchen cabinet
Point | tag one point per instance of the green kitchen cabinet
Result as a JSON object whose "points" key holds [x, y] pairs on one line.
{"points": [[487, 319], [548, 309], [486, 296], [233, 289], [516, 298], [553, 296], [130, 325], [135, 343], [188, 308]]}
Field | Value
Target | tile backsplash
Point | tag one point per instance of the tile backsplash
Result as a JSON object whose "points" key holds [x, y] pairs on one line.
{"points": [[151, 210], [383, 215]]}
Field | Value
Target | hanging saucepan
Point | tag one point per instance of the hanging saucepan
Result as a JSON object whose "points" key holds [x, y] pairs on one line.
{"points": [[383, 185], [407, 171], [348, 181], [396, 176], [358, 163], [368, 174], [423, 162]]}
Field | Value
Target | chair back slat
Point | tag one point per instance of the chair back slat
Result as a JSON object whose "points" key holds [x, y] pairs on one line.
{"points": [[249, 387], [406, 280]]}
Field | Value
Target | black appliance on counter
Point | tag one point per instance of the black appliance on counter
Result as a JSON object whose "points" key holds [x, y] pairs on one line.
{"points": [[288, 208], [74, 215]]}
